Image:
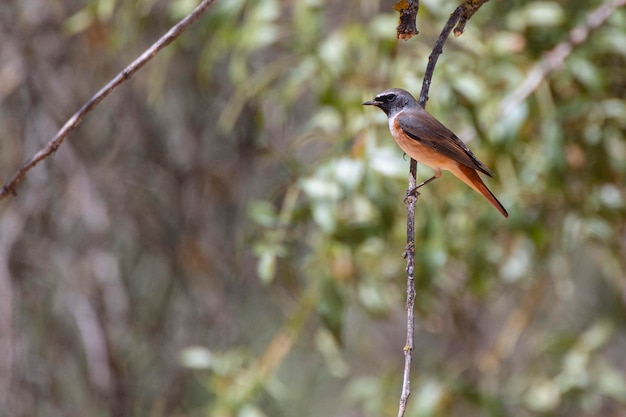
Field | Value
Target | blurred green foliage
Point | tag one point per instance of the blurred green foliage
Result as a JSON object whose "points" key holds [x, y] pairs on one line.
{"points": [[223, 235]]}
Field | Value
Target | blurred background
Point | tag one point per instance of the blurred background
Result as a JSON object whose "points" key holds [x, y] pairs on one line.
{"points": [[223, 235]]}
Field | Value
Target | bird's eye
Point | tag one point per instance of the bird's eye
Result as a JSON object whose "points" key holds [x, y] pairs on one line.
{"points": [[387, 98]]}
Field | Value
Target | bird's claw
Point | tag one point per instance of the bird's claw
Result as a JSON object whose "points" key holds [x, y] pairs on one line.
{"points": [[412, 193]]}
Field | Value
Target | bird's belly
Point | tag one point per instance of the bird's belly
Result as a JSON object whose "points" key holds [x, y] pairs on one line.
{"points": [[424, 154]]}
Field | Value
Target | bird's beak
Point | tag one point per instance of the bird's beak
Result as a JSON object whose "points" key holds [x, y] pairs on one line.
{"points": [[372, 103]]}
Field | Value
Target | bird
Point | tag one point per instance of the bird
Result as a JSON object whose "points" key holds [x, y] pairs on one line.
{"points": [[425, 139]]}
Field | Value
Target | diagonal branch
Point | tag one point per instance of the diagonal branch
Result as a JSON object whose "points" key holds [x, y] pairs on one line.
{"points": [[556, 57], [10, 188], [434, 55]]}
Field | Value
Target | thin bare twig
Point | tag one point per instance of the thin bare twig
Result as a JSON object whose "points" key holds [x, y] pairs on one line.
{"points": [[434, 55], [462, 14], [10, 187], [409, 255], [556, 57]]}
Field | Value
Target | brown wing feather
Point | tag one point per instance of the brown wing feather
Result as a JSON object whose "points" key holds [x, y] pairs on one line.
{"points": [[430, 132]]}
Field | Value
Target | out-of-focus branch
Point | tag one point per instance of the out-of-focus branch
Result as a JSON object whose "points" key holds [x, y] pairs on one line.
{"points": [[556, 57], [460, 16], [491, 360], [11, 186]]}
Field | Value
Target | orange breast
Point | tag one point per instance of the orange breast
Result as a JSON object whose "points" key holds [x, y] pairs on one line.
{"points": [[423, 154]]}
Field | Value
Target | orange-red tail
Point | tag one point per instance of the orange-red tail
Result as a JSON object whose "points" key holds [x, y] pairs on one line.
{"points": [[470, 177]]}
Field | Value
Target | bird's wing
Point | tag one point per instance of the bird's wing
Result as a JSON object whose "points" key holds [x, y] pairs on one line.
{"points": [[431, 133]]}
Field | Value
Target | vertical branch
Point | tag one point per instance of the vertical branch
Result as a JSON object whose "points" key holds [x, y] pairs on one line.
{"points": [[460, 15], [409, 255]]}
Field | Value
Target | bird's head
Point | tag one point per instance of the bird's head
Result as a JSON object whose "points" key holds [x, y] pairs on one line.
{"points": [[393, 101]]}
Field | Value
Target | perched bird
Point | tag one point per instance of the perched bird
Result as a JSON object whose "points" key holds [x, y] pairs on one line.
{"points": [[429, 142]]}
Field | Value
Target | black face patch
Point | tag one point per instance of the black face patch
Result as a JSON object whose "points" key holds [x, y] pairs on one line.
{"points": [[387, 98]]}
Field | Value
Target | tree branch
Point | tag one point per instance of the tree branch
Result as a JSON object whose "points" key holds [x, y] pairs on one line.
{"points": [[556, 57], [469, 8], [407, 22], [10, 188], [434, 55], [460, 15]]}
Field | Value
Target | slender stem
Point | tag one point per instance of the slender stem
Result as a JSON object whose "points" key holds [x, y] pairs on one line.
{"points": [[438, 50], [409, 255]]}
